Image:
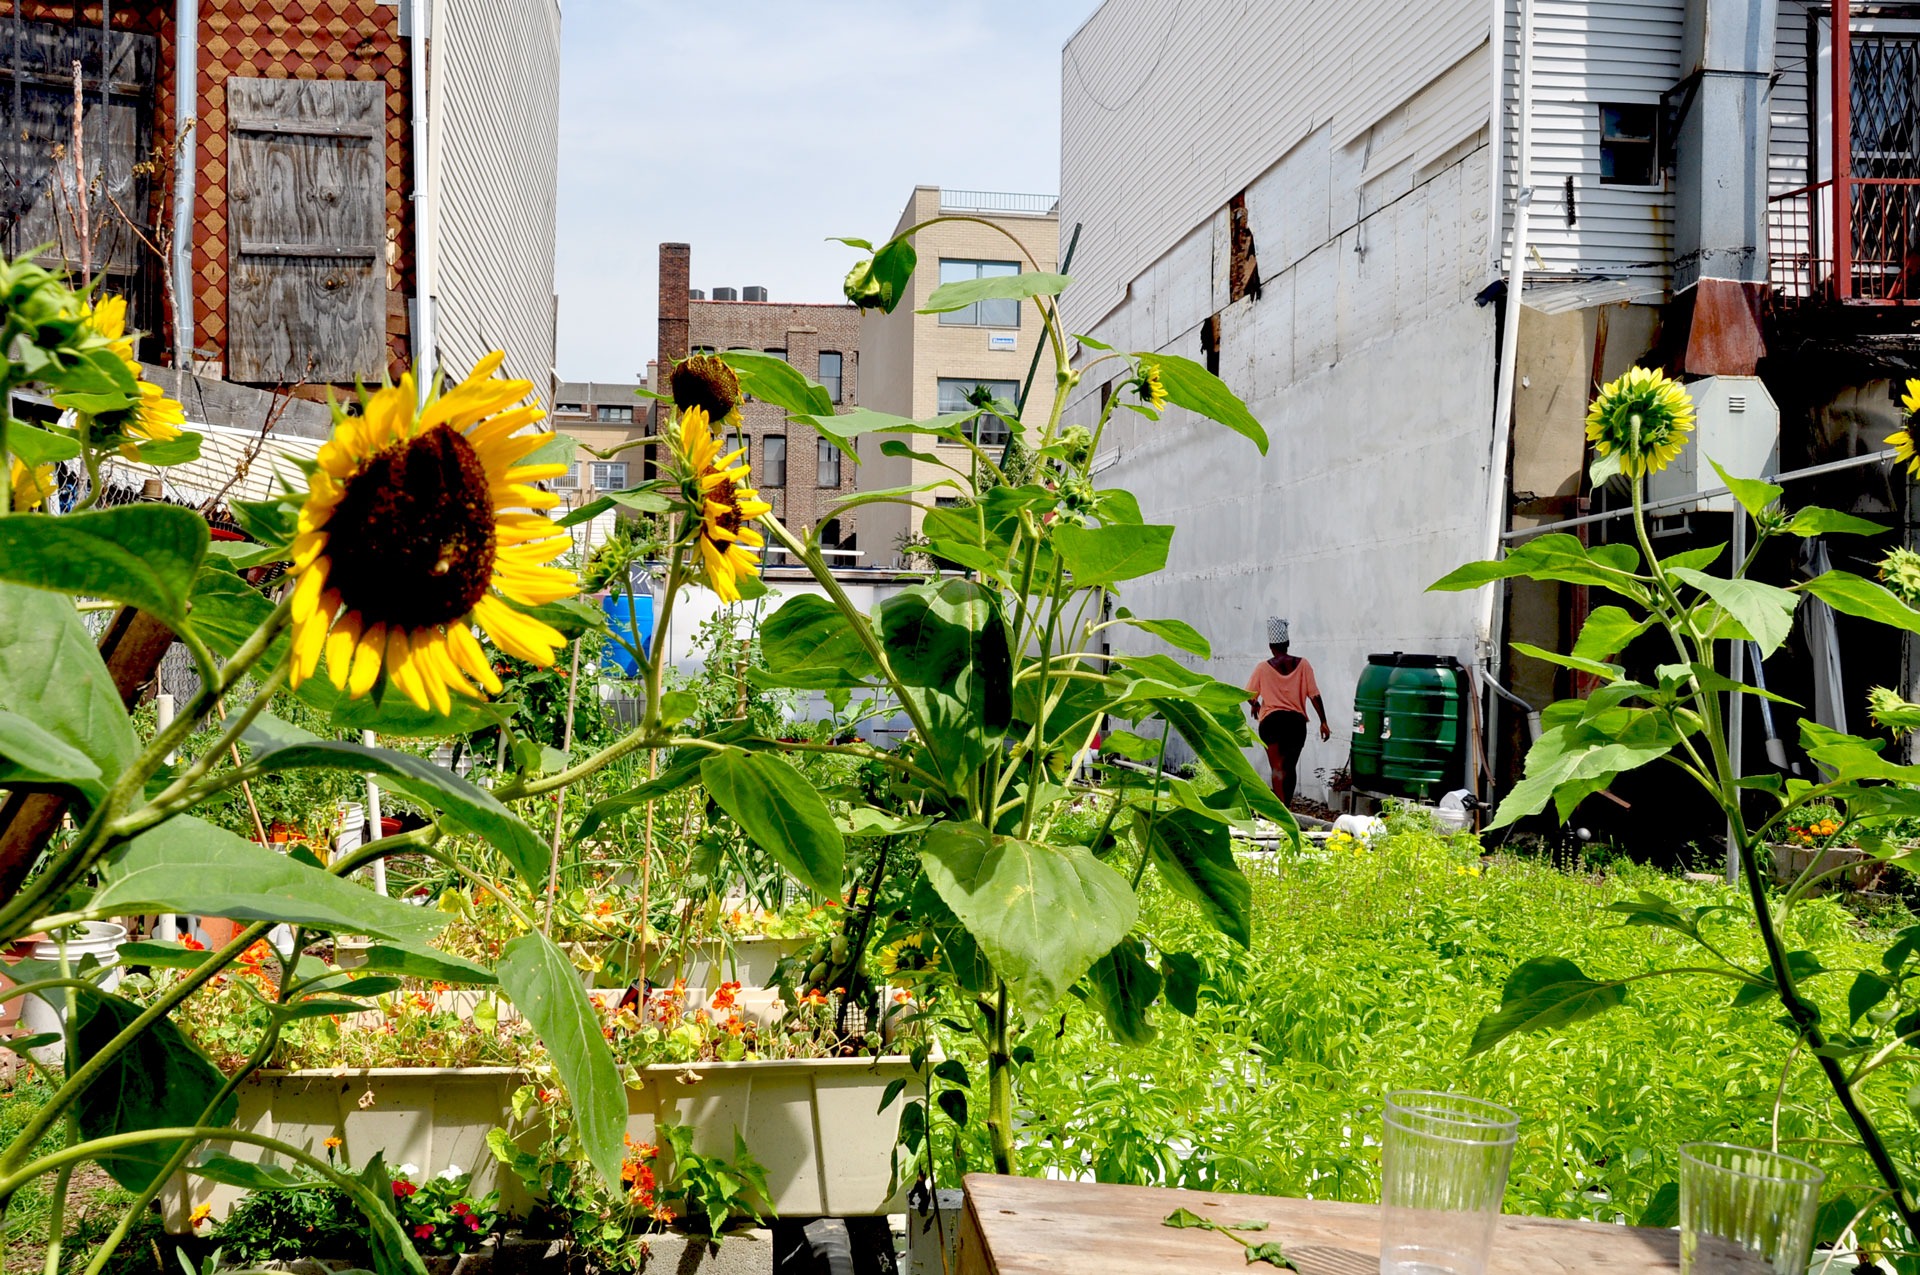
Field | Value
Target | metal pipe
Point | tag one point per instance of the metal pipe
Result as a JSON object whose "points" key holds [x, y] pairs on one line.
{"points": [[373, 832], [423, 335], [186, 95], [1842, 148], [1487, 629], [1671, 502]]}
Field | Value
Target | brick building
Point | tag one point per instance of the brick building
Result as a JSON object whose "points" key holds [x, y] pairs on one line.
{"points": [[797, 471], [602, 415], [338, 211]]}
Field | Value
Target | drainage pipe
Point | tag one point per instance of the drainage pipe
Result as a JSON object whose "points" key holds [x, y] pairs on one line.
{"points": [[1487, 627], [422, 338], [186, 100]]}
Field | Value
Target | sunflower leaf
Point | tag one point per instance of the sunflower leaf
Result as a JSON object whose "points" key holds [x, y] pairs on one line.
{"points": [[772, 379], [143, 555]]}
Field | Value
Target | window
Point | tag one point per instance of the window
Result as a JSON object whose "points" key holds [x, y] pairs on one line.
{"points": [[773, 461], [829, 465], [734, 441], [959, 394], [618, 415], [609, 475], [1629, 144], [830, 373], [575, 409], [570, 480], [981, 314]]}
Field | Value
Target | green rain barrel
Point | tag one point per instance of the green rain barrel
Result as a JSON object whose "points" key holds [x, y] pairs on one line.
{"points": [[1410, 734], [1369, 717]]}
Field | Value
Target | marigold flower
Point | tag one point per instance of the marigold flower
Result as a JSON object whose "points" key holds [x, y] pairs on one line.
{"points": [[192, 944], [201, 1212], [332, 1144]]}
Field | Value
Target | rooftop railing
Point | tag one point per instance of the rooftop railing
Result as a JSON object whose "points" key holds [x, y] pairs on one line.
{"points": [[998, 201]]}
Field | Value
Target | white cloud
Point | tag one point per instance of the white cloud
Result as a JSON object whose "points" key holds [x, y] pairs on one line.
{"points": [[756, 130]]}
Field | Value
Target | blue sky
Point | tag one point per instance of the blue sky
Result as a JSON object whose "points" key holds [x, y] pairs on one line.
{"points": [[754, 129]]}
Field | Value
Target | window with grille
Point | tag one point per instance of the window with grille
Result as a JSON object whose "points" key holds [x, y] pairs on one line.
{"points": [[570, 480], [609, 475], [773, 461], [617, 415], [962, 394], [1000, 313]]}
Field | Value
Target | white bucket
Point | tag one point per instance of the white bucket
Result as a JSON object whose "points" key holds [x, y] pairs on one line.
{"points": [[353, 825], [98, 939]]}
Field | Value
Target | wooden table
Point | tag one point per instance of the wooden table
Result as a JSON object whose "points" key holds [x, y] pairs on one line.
{"points": [[1017, 1226]]}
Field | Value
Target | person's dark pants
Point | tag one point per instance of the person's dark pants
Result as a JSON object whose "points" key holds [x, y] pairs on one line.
{"points": [[1284, 734]]}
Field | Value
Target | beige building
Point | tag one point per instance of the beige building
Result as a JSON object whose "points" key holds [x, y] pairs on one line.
{"points": [[600, 415], [920, 365]]}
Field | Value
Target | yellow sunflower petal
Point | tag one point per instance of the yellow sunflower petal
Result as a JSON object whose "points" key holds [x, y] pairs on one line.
{"points": [[516, 633], [466, 652], [340, 647], [402, 673], [306, 594], [367, 659]]}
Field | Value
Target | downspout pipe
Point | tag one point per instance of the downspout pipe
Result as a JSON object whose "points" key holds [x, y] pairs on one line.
{"points": [[186, 97], [1487, 635], [423, 351]]}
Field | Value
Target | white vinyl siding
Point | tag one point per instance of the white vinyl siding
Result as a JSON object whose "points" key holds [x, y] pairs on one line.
{"points": [[1586, 52], [1281, 70], [1789, 157], [495, 165]]}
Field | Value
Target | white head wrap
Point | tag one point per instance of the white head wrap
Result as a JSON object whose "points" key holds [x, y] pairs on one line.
{"points": [[1276, 631]]}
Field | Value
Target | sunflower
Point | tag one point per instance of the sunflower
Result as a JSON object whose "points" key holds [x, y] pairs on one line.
{"points": [[1906, 448], [153, 418], [726, 505], [1147, 385], [1644, 416], [419, 525], [706, 382], [904, 955], [31, 486]]}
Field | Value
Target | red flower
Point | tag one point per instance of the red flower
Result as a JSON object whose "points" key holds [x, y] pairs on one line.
{"points": [[192, 944], [403, 1188], [461, 1208], [473, 1223], [423, 1231]]}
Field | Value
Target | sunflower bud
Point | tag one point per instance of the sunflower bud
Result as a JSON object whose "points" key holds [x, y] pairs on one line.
{"points": [[862, 288], [1643, 417], [1900, 571], [705, 382]]}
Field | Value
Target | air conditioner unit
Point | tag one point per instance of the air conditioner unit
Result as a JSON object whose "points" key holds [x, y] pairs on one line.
{"points": [[1736, 424], [726, 294], [753, 294]]}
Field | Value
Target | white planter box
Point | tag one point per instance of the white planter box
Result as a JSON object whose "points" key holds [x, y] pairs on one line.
{"points": [[430, 1117], [814, 1124], [750, 960]]}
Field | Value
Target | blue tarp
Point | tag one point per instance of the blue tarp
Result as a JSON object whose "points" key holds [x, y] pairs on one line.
{"points": [[622, 622]]}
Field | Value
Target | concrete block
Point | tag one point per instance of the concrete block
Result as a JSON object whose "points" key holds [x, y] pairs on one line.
{"points": [[933, 1238]]}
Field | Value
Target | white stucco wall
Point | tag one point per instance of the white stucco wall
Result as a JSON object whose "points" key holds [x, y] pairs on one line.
{"points": [[1372, 370]]}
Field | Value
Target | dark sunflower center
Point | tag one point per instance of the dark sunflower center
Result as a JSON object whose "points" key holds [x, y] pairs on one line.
{"points": [[729, 519], [705, 382], [412, 539]]}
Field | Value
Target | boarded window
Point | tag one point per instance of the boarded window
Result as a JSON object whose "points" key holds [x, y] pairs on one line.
{"points": [[307, 196]]}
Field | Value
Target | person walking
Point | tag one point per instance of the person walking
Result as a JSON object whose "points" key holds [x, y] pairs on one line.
{"points": [[1280, 690]]}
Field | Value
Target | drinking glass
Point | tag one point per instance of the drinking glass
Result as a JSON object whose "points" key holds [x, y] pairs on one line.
{"points": [[1743, 1210], [1443, 1171]]}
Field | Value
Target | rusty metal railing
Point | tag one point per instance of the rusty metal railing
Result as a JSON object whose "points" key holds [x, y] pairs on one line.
{"points": [[1870, 256]]}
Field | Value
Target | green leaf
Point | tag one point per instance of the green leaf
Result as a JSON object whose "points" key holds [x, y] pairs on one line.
{"points": [[1754, 494], [808, 642], [1701, 558], [772, 379], [1765, 612], [1042, 914], [1814, 521], [1547, 991], [683, 770], [560, 449], [1194, 856], [1610, 672], [218, 1166], [1182, 976], [962, 293], [1175, 633], [280, 748], [1108, 555], [51, 676], [427, 963], [30, 755], [887, 271], [1556, 556], [168, 956], [38, 446], [143, 555], [161, 1080], [1220, 750], [1856, 595], [271, 522], [174, 451], [541, 982], [844, 427], [1663, 1208], [186, 865], [644, 499], [949, 636], [1130, 746], [1271, 1252], [1185, 1219], [782, 813], [1122, 985], [1868, 990], [1191, 386], [1607, 632]]}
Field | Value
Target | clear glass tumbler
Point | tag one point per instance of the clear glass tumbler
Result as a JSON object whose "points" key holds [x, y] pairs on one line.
{"points": [[1745, 1210], [1443, 1171]]}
